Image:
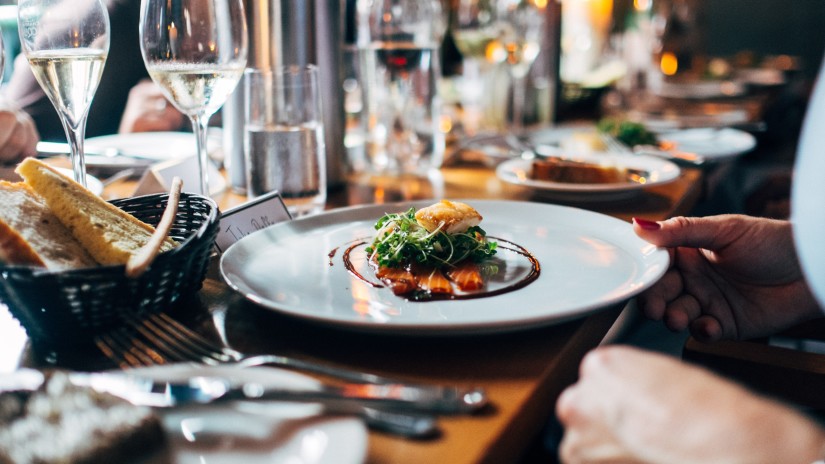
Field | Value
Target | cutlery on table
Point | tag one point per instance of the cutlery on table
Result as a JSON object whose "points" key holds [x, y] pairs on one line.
{"points": [[160, 339], [147, 391], [392, 409], [681, 158]]}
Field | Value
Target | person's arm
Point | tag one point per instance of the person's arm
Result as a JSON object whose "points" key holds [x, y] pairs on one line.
{"points": [[731, 276], [635, 407]]}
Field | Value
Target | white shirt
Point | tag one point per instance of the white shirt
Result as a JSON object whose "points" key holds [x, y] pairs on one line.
{"points": [[808, 193]]}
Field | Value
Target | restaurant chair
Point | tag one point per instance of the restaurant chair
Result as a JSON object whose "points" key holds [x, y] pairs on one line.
{"points": [[789, 367]]}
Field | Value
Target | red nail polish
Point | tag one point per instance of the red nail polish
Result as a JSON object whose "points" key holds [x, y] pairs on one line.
{"points": [[647, 225]]}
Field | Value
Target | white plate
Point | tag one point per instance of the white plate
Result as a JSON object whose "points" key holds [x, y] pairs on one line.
{"points": [[661, 171], [244, 432], [588, 262], [711, 143], [257, 432], [92, 183], [158, 146]]}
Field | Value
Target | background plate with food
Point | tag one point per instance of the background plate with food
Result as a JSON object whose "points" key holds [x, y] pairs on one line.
{"points": [[624, 176]]}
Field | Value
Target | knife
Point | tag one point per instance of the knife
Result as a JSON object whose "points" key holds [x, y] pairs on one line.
{"points": [[681, 158], [147, 391]]}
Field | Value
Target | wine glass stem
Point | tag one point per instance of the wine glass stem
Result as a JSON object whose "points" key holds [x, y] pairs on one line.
{"points": [[519, 84], [200, 124], [75, 136]]}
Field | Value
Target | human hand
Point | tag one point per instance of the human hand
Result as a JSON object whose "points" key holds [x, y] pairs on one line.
{"points": [[731, 276], [631, 406], [147, 110], [18, 134]]}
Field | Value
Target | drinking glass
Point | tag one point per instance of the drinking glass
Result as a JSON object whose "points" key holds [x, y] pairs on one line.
{"points": [[284, 145], [196, 51], [473, 28], [518, 42], [2, 55], [66, 43], [402, 106]]}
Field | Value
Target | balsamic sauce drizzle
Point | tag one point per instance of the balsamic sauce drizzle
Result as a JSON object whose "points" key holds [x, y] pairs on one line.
{"points": [[425, 296]]}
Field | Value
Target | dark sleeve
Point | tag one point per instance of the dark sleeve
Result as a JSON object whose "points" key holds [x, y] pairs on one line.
{"points": [[124, 68]]}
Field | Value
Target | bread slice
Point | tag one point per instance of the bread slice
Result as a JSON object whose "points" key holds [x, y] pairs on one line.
{"points": [[30, 234], [108, 233]]}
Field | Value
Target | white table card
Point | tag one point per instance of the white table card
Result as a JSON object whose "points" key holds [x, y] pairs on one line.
{"points": [[249, 217], [158, 178]]}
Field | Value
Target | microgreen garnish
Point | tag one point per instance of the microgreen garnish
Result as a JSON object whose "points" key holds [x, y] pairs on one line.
{"points": [[401, 241]]}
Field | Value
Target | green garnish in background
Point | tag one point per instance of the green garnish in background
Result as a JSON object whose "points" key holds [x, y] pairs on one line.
{"points": [[628, 132]]}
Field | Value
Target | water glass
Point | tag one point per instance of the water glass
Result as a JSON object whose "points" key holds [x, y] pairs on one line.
{"points": [[398, 48], [284, 137]]}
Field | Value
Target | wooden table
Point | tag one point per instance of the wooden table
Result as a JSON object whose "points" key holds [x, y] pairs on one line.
{"points": [[522, 372]]}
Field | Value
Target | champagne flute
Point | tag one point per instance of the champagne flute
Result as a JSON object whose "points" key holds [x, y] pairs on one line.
{"points": [[196, 51], [2, 55], [66, 43], [520, 31], [473, 28]]}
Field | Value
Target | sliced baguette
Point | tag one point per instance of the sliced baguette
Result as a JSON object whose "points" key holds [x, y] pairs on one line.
{"points": [[30, 234], [109, 234]]}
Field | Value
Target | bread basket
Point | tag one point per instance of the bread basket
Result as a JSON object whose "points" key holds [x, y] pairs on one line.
{"points": [[71, 307]]}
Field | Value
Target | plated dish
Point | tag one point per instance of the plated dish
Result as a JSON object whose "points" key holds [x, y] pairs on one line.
{"points": [[711, 143], [157, 146], [659, 171], [588, 261]]}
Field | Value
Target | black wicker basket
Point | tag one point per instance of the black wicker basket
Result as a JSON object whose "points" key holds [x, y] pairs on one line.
{"points": [[71, 307]]}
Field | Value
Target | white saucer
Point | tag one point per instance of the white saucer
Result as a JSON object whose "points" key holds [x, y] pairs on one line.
{"points": [[158, 146]]}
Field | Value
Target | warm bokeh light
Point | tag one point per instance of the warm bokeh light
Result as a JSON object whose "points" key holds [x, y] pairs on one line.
{"points": [[669, 64], [445, 124], [642, 5]]}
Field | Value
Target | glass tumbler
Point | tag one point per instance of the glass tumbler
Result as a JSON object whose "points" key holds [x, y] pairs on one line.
{"points": [[284, 137]]}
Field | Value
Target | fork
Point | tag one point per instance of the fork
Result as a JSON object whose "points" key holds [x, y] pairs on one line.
{"points": [[614, 145], [164, 339], [159, 339]]}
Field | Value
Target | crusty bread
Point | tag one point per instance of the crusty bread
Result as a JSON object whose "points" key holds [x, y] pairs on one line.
{"points": [[30, 234], [108, 233]]}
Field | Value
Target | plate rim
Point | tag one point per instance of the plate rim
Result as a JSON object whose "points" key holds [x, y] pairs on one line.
{"points": [[431, 329], [719, 155], [110, 141]]}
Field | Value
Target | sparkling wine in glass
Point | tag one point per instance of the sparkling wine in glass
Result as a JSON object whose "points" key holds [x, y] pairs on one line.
{"points": [[518, 42], [473, 28], [66, 44], [196, 51]]}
